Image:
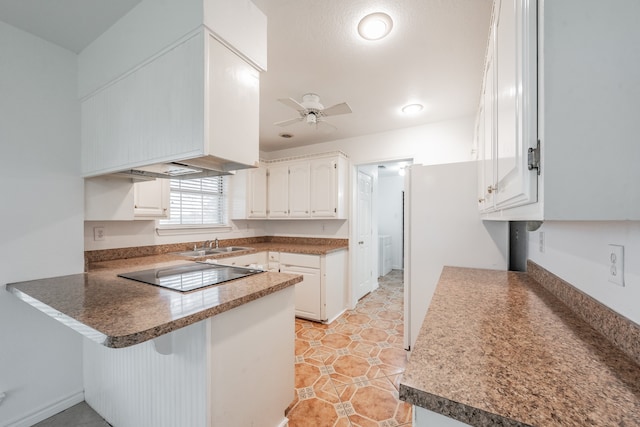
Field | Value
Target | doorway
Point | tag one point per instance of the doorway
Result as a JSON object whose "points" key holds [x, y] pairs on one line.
{"points": [[377, 231]]}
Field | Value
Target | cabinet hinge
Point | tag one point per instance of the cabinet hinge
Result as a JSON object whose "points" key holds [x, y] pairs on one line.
{"points": [[335, 210], [335, 166], [534, 158]]}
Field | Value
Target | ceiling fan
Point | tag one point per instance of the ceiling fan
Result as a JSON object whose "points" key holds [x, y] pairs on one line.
{"points": [[312, 111]]}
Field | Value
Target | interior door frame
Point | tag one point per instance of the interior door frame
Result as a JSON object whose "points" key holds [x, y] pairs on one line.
{"points": [[353, 226]]}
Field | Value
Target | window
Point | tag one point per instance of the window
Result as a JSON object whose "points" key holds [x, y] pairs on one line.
{"points": [[195, 202]]}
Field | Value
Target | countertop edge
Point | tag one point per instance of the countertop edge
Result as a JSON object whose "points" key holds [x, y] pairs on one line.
{"points": [[149, 334], [452, 409]]}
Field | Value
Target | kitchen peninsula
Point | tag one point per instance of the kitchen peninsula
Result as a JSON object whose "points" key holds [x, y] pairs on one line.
{"points": [[157, 357]]}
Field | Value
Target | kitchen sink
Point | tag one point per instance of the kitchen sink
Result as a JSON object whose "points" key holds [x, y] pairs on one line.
{"points": [[230, 249], [212, 251]]}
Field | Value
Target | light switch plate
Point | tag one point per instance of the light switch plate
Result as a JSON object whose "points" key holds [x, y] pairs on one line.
{"points": [[616, 264]]}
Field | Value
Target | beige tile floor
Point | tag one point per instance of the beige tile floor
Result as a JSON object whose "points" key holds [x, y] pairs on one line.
{"points": [[346, 373]]}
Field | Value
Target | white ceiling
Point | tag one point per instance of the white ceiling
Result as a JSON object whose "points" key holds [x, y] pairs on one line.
{"points": [[433, 56]]}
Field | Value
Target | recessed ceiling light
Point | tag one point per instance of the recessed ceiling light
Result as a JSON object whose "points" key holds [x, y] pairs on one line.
{"points": [[375, 26], [412, 108]]}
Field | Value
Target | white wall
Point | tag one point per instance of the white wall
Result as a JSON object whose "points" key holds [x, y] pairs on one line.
{"points": [[40, 222], [125, 234], [577, 253], [448, 141], [390, 188]]}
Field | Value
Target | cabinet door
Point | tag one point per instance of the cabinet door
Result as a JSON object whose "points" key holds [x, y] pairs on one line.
{"points": [[308, 292], [257, 193], [299, 177], [323, 188], [151, 199], [278, 191], [515, 104], [489, 126]]}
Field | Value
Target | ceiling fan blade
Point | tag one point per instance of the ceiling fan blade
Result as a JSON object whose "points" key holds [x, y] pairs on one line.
{"points": [[325, 127], [288, 122], [337, 109], [292, 103]]}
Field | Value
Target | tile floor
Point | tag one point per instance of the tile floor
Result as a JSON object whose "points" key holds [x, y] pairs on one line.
{"points": [[347, 372]]}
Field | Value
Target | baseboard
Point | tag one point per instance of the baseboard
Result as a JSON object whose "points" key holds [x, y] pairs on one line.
{"points": [[284, 422], [47, 411]]}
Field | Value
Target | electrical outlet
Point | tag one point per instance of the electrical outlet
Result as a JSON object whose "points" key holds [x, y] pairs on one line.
{"points": [[541, 241], [616, 264], [98, 233]]}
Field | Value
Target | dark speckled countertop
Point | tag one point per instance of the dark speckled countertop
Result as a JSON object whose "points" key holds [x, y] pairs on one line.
{"points": [[497, 349], [119, 312]]}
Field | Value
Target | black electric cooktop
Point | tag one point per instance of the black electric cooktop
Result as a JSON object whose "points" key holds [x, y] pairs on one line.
{"points": [[188, 277]]}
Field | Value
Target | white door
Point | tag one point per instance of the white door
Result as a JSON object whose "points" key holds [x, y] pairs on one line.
{"points": [[364, 277]]}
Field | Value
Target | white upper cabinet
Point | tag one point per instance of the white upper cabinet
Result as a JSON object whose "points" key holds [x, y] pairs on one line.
{"points": [[508, 110], [585, 95], [194, 98], [151, 199], [278, 191], [328, 187], [314, 186], [299, 186], [257, 192]]}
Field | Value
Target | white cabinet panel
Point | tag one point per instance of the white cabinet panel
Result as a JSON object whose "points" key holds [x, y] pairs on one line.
{"points": [[151, 199], [153, 114], [278, 191], [233, 95], [257, 193], [299, 182], [307, 294], [507, 117], [324, 194]]}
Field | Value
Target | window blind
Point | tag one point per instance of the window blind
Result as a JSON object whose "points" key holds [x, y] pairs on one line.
{"points": [[197, 201]]}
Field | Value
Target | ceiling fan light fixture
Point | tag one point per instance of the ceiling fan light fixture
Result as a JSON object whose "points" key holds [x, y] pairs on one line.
{"points": [[412, 109], [312, 119], [375, 26]]}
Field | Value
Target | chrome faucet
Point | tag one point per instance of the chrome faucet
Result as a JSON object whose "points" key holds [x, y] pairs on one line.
{"points": [[216, 242]]}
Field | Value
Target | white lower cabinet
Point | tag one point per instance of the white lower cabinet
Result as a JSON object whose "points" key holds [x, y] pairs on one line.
{"points": [[321, 296]]}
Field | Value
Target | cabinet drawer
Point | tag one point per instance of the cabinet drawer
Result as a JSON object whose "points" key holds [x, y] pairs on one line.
{"points": [[302, 260]]}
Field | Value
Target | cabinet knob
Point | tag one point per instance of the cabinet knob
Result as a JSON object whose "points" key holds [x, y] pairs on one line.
{"points": [[361, 242], [306, 211], [480, 200], [491, 189]]}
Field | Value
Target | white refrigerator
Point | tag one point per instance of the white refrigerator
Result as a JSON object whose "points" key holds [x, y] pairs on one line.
{"points": [[443, 227]]}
